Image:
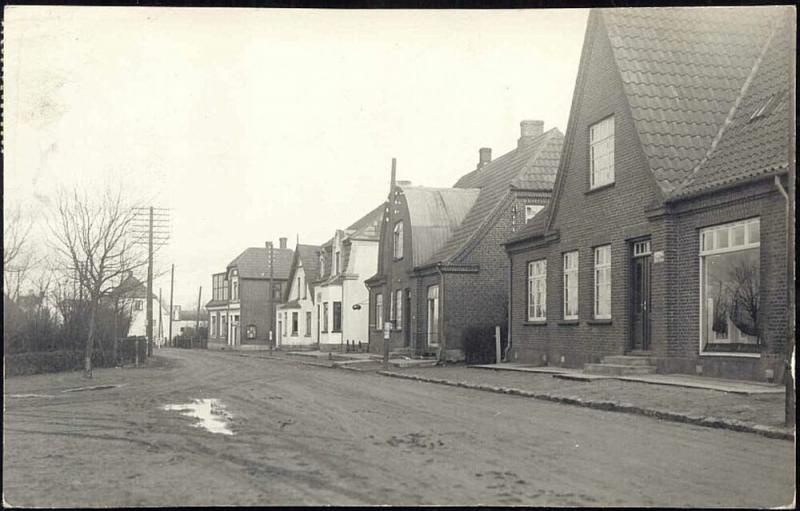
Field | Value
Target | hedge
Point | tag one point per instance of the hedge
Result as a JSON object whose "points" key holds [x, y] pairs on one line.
{"points": [[43, 362]]}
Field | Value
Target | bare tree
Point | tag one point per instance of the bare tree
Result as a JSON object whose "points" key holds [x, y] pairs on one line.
{"points": [[17, 259], [93, 240]]}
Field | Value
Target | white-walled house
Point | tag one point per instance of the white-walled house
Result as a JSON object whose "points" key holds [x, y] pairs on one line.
{"points": [[296, 316], [132, 295], [183, 319], [346, 260]]}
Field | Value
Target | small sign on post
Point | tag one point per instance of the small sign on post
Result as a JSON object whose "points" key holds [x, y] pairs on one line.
{"points": [[387, 330]]}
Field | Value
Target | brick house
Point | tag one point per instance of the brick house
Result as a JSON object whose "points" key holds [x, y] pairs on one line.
{"points": [[666, 235], [346, 260], [441, 265], [296, 313], [239, 310]]}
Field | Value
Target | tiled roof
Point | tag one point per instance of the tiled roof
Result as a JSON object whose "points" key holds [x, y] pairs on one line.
{"points": [[435, 213], [531, 167], [309, 255], [754, 145], [368, 226], [253, 263], [682, 70], [535, 227]]}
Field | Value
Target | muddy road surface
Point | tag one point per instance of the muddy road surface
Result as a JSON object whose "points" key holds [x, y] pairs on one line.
{"points": [[307, 435]]}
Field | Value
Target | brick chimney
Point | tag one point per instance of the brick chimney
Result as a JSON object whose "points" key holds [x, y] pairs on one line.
{"points": [[529, 130], [282, 242], [484, 156]]}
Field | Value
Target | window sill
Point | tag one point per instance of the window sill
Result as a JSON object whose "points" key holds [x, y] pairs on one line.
{"points": [[336, 331], [541, 322], [599, 321], [737, 355], [599, 188], [566, 322]]}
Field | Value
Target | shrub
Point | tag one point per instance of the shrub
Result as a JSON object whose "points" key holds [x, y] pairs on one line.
{"points": [[479, 344], [42, 362]]}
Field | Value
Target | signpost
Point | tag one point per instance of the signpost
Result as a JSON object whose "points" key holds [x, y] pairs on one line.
{"points": [[387, 329]]}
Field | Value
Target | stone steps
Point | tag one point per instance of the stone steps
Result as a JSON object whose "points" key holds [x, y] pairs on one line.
{"points": [[627, 360], [618, 369]]}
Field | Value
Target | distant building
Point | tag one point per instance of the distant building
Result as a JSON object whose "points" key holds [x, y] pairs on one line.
{"points": [[240, 310], [132, 294], [342, 299], [441, 266], [187, 320]]}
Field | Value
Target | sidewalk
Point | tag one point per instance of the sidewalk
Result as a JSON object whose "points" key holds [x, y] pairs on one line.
{"points": [[668, 397]]}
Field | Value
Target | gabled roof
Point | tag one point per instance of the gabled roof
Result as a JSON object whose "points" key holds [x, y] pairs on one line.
{"points": [[756, 140], [530, 167], [253, 263], [309, 255], [682, 69], [435, 213], [130, 287], [368, 226], [686, 72]]}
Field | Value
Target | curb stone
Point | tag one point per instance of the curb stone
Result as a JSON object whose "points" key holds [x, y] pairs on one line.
{"points": [[613, 406]]}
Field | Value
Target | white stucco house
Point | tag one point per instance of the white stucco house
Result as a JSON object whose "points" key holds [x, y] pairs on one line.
{"points": [[296, 316], [132, 295], [342, 299]]}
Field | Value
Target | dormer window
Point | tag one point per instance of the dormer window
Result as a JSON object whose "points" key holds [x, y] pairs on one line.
{"points": [[601, 153], [398, 240], [321, 264], [337, 261], [531, 210]]}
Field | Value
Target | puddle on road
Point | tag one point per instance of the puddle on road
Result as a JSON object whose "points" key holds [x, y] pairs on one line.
{"points": [[30, 395], [211, 413]]}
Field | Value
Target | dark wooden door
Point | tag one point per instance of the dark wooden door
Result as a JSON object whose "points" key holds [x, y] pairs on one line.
{"points": [[640, 308]]}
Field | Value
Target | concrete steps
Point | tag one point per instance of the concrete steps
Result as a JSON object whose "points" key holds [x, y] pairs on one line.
{"points": [[622, 365]]}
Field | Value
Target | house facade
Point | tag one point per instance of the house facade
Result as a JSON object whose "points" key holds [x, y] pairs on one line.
{"points": [[666, 235], [441, 267], [296, 318], [132, 295], [346, 260], [186, 320], [240, 310]]}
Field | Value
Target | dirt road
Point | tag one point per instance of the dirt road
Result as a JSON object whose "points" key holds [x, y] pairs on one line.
{"points": [[308, 435]]}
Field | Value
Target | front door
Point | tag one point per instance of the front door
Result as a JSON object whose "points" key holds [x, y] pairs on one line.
{"points": [[433, 317], [407, 319], [641, 266]]}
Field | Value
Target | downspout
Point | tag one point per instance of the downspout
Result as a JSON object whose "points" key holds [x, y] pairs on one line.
{"points": [[788, 367], [510, 295], [442, 336]]}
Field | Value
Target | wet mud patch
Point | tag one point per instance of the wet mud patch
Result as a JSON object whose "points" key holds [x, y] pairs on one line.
{"points": [[211, 415]]}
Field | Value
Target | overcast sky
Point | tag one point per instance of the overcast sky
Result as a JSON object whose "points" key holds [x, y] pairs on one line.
{"points": [[252, 124]]}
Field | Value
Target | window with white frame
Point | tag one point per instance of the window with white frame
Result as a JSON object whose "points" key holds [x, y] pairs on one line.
{"points": [[729, 287], [601, 152], [571, 285], [379, 311], [531, 210], [398, 240], [398, 307], [602, 282], [537, 290]]}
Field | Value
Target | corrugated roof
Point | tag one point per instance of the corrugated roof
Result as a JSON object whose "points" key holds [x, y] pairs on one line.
{"points": [[531, 167], [682, 70], [253, 263], [368, 226], [753, 145], [435, 213]]}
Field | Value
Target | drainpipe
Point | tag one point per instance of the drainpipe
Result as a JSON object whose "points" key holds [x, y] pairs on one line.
{"points": [[510, 295], [442, 336], [788, 374]]}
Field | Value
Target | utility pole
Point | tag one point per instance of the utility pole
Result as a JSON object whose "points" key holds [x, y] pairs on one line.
{"points": [[171, 289], [150, 286], [272, 333], [160, 316], [197, 320], [151, 224]]}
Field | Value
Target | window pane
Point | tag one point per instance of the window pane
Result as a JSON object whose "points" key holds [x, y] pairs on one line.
{"points": [[722, 238], [738, 236], [753, 232], [730, 301]]}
